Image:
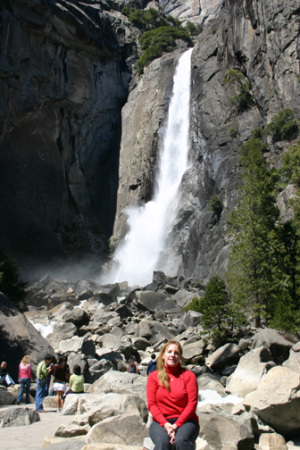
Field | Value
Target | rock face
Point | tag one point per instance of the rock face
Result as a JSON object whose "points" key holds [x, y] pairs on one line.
{"points": [[64, 79]]}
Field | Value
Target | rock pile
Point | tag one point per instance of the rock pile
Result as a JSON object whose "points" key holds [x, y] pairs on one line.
{"points": [[256, 379]]}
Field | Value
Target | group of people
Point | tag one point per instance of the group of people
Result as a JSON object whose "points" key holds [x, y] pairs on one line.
{"points": [[63, 382], [172, 393]]}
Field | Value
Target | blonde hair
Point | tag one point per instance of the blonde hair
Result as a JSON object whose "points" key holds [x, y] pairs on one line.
{"points": [[163, 376], [26, 359]]}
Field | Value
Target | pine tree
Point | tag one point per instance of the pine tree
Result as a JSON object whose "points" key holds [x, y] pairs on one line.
{"points": [[215, 306], [256, 277]]}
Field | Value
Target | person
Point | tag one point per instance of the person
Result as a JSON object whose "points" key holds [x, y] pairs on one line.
{"points": [[76, 381], [132, 365], [42, 382], [5, 379], [152, 364], [25, 377], [61, 374], [172, 397]]}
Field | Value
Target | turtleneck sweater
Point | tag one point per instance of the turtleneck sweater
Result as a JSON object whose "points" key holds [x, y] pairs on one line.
{"points": [[180, 402]]}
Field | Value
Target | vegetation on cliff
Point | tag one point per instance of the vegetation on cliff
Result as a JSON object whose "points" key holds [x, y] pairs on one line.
{"points": [[159, 33]]}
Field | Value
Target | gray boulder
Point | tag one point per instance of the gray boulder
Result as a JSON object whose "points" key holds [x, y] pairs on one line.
{"points": [[277, 400], [14, 324], [249, 372], [227, 432], [16, 417], [128, 429], [278, 346], [157, 301], [6, 397], [227, 354]]}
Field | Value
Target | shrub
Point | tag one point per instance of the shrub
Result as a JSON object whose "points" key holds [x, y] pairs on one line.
{"points": [[291, 164], [233, 132], [243, 100], [283, 127], [194, 305], [155, 42], [193, 29], [216, 205]]}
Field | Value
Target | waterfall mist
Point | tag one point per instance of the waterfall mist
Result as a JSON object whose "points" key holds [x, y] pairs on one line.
{"points": [[138, 254]]}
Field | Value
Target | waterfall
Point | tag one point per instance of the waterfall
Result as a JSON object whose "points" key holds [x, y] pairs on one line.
{"points": [[138, 254]]}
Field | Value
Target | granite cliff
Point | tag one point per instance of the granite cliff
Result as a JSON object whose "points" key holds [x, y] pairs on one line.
{"points": [[77, 123]]}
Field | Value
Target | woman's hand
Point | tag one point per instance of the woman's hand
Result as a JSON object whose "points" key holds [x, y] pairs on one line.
{"points": [[171, 430]]}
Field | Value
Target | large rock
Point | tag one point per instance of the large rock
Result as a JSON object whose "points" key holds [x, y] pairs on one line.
{"points": [[225, 355], [127, 429], [225, 432], [120, 382], [278, 346], [277, 400], [18, 337], [16, 417], [249, 372]]}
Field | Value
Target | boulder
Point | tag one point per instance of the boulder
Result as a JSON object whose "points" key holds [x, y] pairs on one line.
{"points": [[271, 441], [77, 344], [153, 331], [14, 324], [227, 354], [293, 362], [278, 346], [193, 351], [277, 400], [128, 429], [192, 318], [208, 381], [157, 301], [249, 372], [16, 417], [6, 397], [121, 383], [224, 432]]}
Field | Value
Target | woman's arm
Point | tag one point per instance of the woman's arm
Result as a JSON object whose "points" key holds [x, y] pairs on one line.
{"points": [[192, 392], [152, 386]]}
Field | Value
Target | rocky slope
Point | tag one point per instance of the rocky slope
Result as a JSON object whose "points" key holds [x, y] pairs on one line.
{"points": [[248, 389]]}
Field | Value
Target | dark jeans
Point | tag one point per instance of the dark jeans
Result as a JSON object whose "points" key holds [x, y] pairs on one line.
{"points": [[41, 393], [185, 438], [24, 384]]}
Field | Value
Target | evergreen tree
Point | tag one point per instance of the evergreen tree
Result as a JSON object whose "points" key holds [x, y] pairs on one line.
{"points": [[256, 276], [215, 306]]}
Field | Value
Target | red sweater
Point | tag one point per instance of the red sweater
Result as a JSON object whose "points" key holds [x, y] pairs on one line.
{"points": [[180, 402], [25, 371]]}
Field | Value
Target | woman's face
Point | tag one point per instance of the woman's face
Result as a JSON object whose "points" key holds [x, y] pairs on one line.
{"points": [[171, 355]]}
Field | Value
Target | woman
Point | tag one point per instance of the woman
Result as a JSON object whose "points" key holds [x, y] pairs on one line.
{"points": [[61, 374], [76, 381], [172, 396], [25, 377]]}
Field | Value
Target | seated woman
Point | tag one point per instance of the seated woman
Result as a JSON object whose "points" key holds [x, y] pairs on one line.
{"points": [[76, 381], [172, 396]]}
